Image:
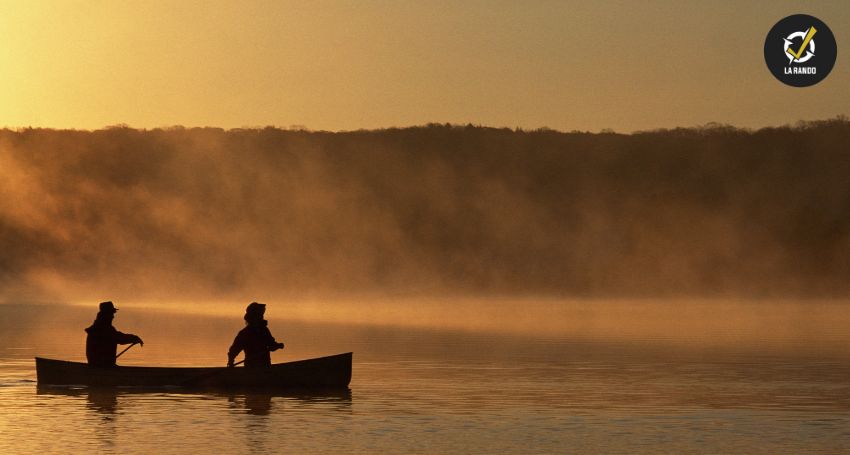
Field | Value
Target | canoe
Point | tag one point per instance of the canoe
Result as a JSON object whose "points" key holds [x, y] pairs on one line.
{"points": [[323, 372]]}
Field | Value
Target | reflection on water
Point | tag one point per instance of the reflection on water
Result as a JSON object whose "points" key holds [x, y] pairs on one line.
{"points": [[255, 404], [105, 417], [102, 401], [447, 392], [105, 400]]}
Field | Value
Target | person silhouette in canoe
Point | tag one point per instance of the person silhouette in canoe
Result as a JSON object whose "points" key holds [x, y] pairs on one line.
{"points": [[102, 340], [255, 339]]}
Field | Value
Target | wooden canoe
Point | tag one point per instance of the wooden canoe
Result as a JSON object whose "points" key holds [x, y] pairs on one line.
{"points": [[323, 372]]}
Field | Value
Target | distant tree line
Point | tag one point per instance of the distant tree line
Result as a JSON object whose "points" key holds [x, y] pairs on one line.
{"points": [[436, 209]]}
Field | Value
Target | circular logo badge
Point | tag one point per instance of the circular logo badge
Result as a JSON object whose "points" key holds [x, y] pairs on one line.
{"points": [[800, 50]]}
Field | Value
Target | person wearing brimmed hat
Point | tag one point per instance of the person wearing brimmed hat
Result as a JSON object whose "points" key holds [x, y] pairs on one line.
{"points": [[102, 340], [255, 339]]}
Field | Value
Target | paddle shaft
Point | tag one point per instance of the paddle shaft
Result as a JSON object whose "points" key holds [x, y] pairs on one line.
{"points": [[125, 350]]}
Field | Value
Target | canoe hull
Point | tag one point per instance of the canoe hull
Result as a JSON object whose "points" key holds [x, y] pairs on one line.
{"points": [[324, 372]]}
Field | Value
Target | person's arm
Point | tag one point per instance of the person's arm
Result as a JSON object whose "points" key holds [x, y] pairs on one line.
{"points": [[272, 344], [237, 347], [127, 338]]}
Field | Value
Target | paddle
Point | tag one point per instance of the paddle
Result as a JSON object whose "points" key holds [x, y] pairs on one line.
{"points": [[125, 350]]}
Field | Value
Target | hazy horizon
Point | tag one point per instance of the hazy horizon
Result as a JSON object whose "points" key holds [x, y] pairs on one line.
{"points": [[709, 125]]}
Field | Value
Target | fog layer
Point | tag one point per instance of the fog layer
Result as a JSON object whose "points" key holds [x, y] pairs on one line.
{"points": [[207, 214]]}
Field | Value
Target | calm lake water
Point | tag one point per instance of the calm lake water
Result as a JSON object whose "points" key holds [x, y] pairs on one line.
{"points": [[429, 391]]}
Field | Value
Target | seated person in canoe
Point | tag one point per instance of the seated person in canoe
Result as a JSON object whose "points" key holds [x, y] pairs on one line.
{"points": [[102, 339], [255, 339]]}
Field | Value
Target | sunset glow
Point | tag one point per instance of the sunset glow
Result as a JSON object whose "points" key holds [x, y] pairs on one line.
{"points": [[350, 65]]}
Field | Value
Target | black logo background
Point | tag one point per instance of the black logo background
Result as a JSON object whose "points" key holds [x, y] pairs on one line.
{"points": [[777, 60]]}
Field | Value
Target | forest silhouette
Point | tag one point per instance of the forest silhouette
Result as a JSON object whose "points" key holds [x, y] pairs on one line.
{"points": [[437, 209]]}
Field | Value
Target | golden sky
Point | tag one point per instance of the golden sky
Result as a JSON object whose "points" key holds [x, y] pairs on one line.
{"points": [[342, 65]]}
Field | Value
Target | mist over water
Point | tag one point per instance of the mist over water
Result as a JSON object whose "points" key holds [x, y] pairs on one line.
{"points": [[413, 224]]}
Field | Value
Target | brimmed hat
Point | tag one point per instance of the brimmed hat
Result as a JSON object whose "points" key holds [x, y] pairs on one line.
{"points": [[107, 307], [256, 307]]}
